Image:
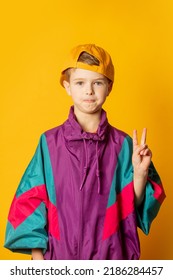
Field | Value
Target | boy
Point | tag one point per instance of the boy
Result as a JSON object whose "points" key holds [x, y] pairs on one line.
{"points": [[88, 186]]}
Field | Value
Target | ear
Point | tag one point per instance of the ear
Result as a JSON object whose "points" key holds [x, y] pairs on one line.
{"points": [[67, 87], [109, 88]]}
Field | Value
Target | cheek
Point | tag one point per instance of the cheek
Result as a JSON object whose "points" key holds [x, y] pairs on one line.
{"points": [[75, 95], [104, 94]]}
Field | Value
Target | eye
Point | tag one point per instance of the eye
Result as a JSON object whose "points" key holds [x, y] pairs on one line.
{"points": [[79, 83], [98, 83]]}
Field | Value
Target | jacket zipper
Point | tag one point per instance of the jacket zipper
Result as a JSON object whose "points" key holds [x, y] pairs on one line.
{"points": [[80, 224]]}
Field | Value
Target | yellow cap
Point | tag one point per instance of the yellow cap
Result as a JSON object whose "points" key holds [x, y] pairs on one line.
{"points": [[105, 66]]}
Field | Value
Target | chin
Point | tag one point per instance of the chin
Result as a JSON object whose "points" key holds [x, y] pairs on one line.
{"points": [[92, 111], [88, 109]]}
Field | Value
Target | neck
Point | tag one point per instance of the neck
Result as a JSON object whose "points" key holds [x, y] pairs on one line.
{"points": [[88, 122]]}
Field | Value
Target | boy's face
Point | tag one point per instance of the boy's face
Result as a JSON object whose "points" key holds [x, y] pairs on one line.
{"points": [[88, 90]]}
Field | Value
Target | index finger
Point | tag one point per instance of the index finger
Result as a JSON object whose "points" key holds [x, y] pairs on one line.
{"points": [[144, 136], [135, 138]]}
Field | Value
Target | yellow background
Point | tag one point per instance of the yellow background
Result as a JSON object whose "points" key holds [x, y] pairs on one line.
{"points": [[35, 38]]}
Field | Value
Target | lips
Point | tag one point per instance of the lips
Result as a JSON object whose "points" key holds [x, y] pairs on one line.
{"points": [[89, 100]]}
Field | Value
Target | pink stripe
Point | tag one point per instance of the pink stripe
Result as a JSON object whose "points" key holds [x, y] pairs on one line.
{"points": [[159, 193], [20, 208], [119, 210], [53, 227]]}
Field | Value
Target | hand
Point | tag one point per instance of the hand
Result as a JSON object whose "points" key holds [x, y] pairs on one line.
{"points": [[37, 254], [142, 155]]}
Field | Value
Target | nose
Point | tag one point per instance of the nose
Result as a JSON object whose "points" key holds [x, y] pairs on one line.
{"points": [[89, 89]]}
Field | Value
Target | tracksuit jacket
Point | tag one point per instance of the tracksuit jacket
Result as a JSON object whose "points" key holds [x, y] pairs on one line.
{"points": [[76, 198]]}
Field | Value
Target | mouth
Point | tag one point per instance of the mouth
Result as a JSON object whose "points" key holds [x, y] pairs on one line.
{"points": [[89, 100]]}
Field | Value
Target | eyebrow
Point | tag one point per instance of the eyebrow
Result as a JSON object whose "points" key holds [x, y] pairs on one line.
{"points": [[96, 79]]}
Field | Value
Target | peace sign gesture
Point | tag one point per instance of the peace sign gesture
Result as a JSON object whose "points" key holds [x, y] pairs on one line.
{"points": [[141, 157]]}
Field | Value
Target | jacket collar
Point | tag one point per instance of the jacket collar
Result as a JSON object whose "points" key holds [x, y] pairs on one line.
{"points": [[73, 130]]}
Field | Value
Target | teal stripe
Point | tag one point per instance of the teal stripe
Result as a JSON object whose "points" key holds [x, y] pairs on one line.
{"points": [[33, 175], [39, 172], [123, 174], [29, 234], [150, 206], [153, 175], [49, 178], [148, 210]]}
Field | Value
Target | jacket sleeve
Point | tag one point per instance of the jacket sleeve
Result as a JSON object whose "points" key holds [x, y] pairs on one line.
{"points": [[153, 198], [27, 219]]}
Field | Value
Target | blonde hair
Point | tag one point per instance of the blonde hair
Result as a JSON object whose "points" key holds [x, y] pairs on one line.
{"points": [[88, 59]]}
